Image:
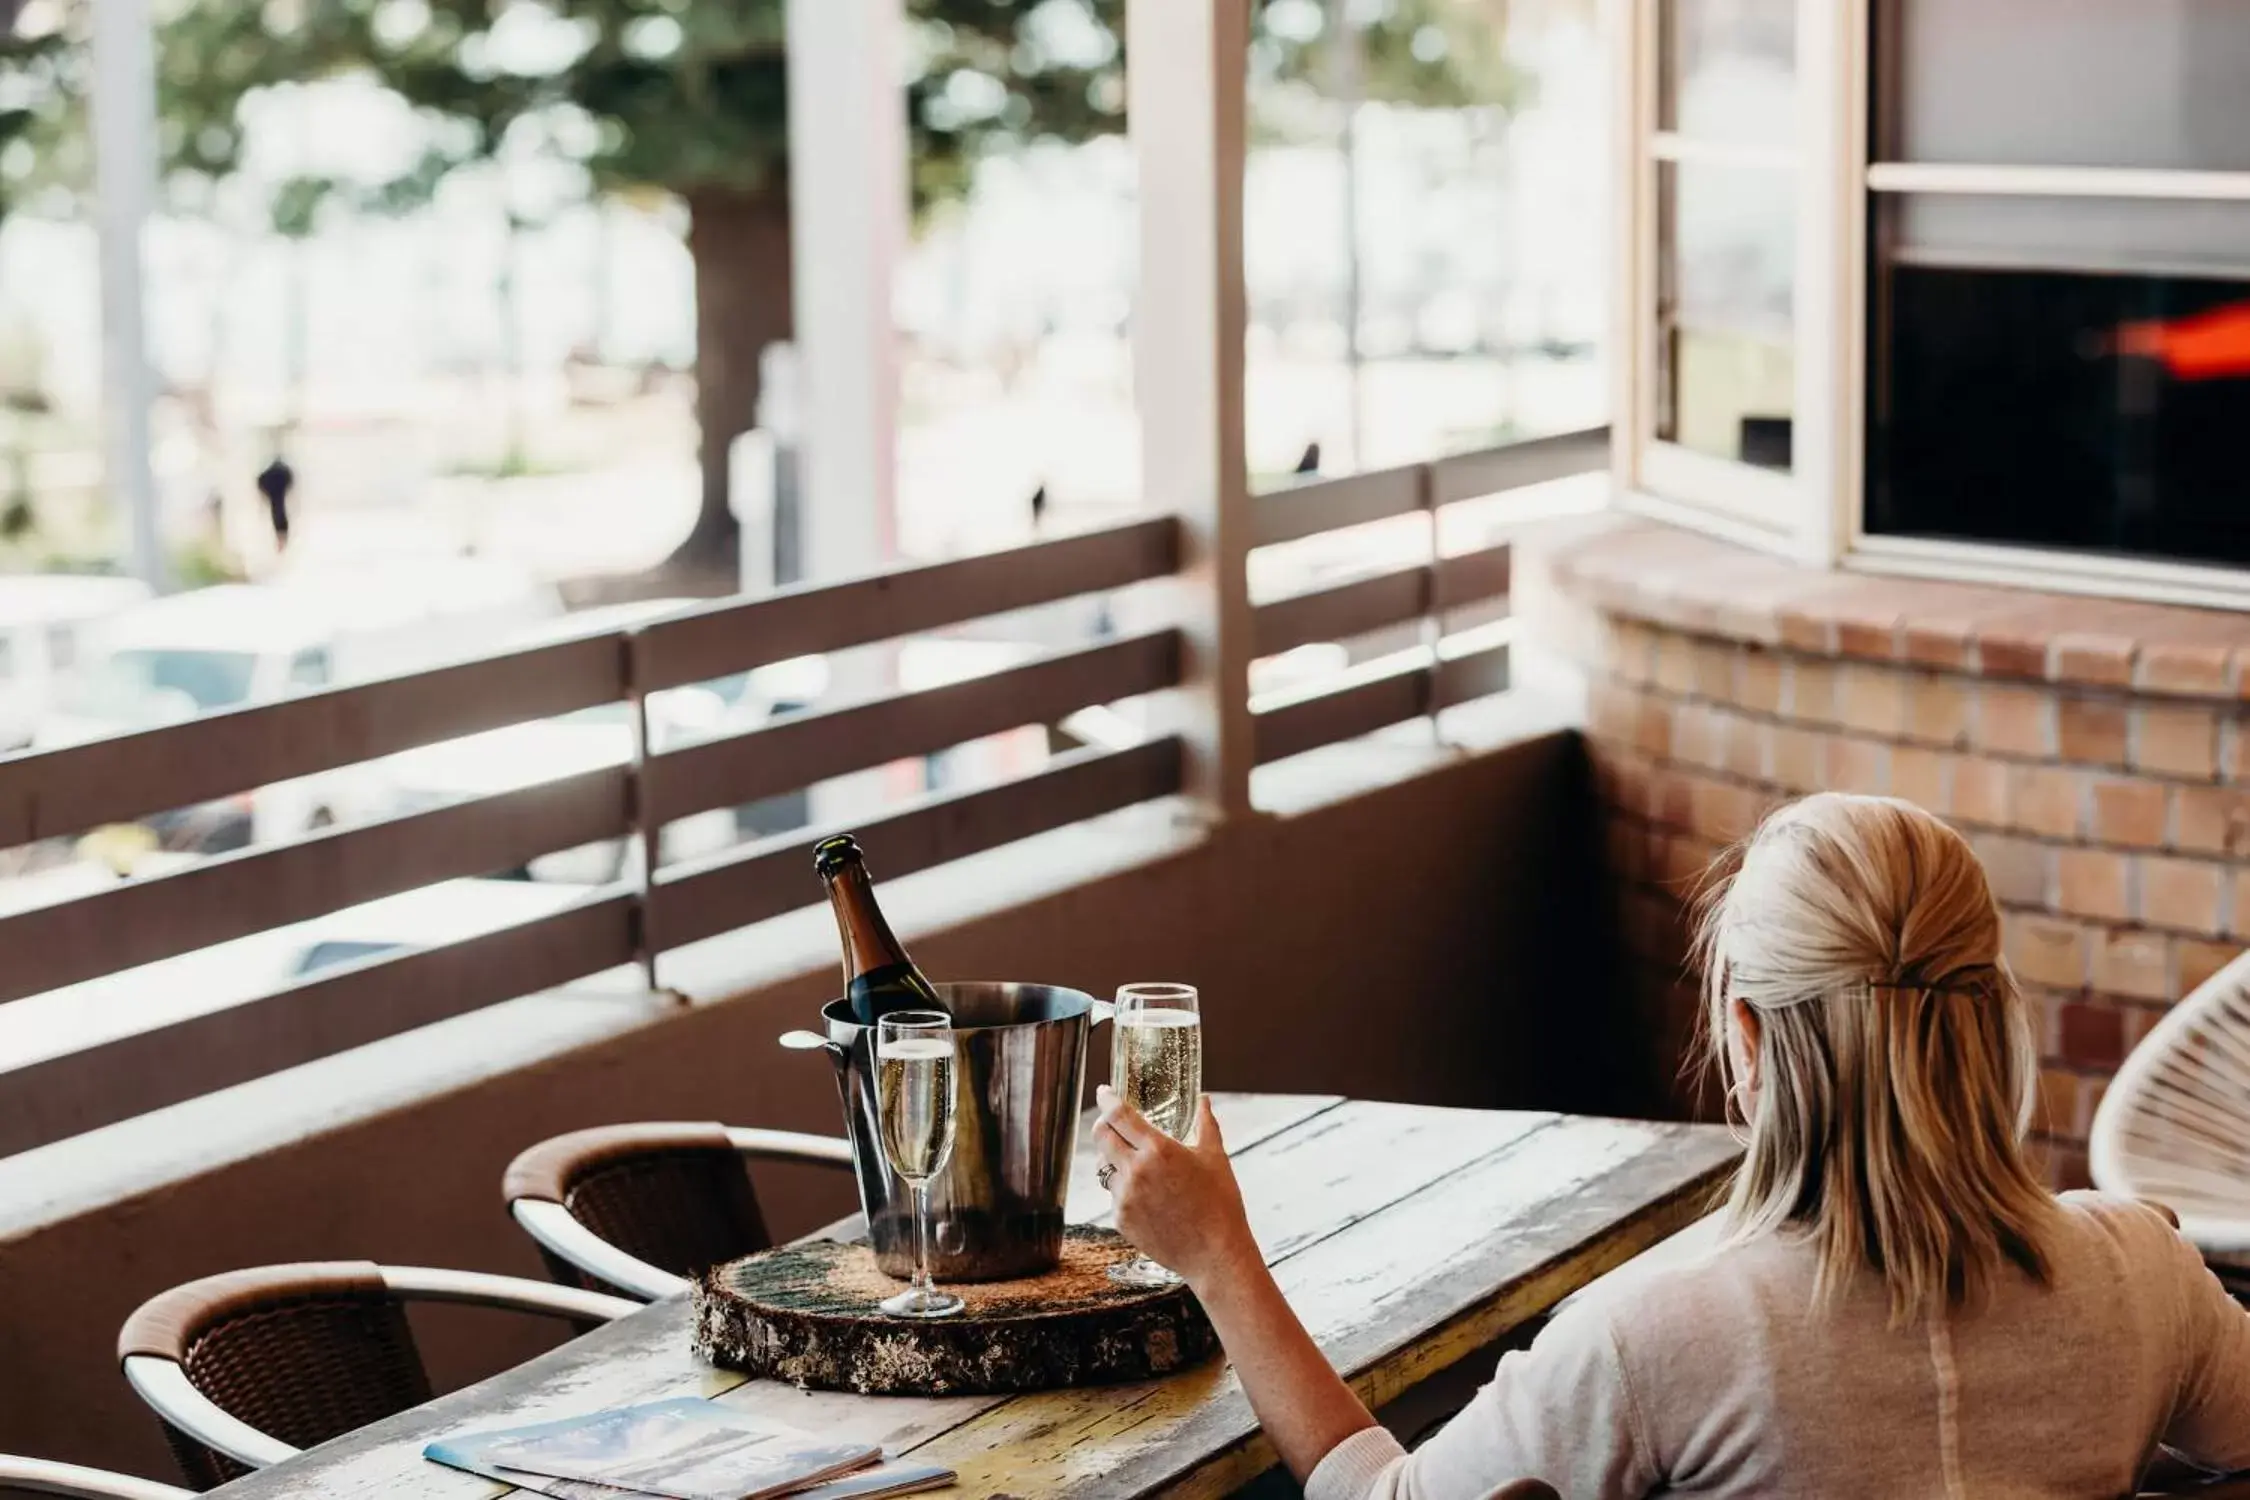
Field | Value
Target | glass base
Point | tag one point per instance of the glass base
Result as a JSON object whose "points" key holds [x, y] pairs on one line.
{"points": [[1141, 1271], [916, 1303]]}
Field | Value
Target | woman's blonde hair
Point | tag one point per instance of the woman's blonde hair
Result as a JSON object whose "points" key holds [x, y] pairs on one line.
{"points": [[1896, 1067]]}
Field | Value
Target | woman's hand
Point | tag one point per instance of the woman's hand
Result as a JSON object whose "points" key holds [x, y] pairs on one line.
{"points": [[1178, 1204]]}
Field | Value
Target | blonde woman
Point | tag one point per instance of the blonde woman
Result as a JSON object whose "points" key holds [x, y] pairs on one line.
{"points": [[1900, 1309]]}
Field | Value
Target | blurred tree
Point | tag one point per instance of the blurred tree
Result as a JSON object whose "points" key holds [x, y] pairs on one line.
{"points": [[690, 99]]}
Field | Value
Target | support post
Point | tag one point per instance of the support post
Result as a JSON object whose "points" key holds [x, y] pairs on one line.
{"points": [[847, 209], [1186, 114], [124, 130]]}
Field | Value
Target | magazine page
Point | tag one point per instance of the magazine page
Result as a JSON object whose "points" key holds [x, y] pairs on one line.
{"points": [[686, 1449]]}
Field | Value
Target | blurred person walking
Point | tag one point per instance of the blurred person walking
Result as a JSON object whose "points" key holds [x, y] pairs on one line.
{"points": [[275, 481]]}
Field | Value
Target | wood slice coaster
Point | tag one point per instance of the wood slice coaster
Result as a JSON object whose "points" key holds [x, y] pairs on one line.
{"points": [[806, 1314]]}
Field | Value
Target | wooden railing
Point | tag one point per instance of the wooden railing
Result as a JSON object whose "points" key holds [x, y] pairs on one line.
{"points": [[69, 791]]}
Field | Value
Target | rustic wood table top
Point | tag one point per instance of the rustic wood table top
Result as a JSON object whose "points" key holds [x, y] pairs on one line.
{"points": [[1405, 1236]]}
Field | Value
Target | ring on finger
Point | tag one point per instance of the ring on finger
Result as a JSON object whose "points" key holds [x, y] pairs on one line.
{"points": [[1107, 1170]]}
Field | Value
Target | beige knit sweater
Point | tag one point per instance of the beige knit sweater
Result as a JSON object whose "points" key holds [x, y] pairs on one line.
{"points": [[1719, 1377]]}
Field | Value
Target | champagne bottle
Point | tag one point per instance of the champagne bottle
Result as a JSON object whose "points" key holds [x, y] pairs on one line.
{"points": [[878, 976]]}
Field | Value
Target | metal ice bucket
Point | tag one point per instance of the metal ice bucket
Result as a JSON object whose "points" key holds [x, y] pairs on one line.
{"points": [[1020, 1066]]}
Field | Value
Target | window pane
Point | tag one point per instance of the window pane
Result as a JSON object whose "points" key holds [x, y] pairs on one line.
{"points": [[2062, 375], [1726, 371], [1729, 70], [2086, 83]]}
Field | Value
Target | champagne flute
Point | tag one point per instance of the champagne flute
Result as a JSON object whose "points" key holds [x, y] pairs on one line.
{"points": [[914, 1103], [1156, 1065]]}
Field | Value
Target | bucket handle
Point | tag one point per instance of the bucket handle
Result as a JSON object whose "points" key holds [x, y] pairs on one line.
{"points": [[811, 1041]]}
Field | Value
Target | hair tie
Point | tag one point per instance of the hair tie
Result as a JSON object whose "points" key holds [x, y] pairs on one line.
{"points": [[1970, 983]]}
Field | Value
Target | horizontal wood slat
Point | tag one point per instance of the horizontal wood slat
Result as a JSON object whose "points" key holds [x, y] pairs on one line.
{"points": [[64, 1096], [799, 751], [689, 905], [1367, 699], [1478, 674], [1314, 506], [1468, 476], [1339, 613], [140, 921], [65, 791], [1375, 696], [1472, 576], [729, 638]]}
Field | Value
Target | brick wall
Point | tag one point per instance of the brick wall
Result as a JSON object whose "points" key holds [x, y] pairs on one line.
{"points": [[2097, 755]]}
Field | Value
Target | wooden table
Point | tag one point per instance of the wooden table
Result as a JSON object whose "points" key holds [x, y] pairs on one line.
{"points": [[1406, 1237]]}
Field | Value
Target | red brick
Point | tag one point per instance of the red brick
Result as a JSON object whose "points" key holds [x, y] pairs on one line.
{"points": [[1714, 670], [1980, 791], [1671, 799], [1812, 692], [1744, 745], [2068, 1164], [1919, 776], [2140, 1020], [2093, 1036], [1797, 759], [2199, 960], [1675, 664], [1856, 765], [2045, 950], [2001, 654], [2129, 813], [1937, 710], [2185, 895], [2176, 740], [2211, 820], [2199, 668], [1632, 651], [2018, 870], [2094, 883], [1652, 728], [1758, 681], [2239, 923], [1871, 699], [2235, 744], [2133, 963], [2014, 720], [2101, 660], [1697, 737], [2091, 731], [2058, 1102], [2046, 800], [1871, 639], [1934, 643], [1723, 811]]}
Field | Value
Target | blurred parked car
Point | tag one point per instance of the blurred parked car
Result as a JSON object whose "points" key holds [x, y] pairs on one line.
{"points": [[241, 645], [225, 974], [543, 750], [44, 619]]}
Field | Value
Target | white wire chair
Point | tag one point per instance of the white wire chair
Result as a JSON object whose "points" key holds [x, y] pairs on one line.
{"points": [[39, 1476], [2175, 1124]]}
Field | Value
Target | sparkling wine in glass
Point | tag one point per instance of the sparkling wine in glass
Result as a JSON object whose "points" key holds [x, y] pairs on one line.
{"points": [[914, 1106], [1156, 1065]]}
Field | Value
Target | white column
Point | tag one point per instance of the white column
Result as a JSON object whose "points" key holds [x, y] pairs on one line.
{"points": [[124, 111], [848, 206], [1185, 105], [847, 210]]}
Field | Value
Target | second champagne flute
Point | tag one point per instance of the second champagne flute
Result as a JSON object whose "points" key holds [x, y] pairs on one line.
{"points": [[914, 1105], [1156, 1065]]}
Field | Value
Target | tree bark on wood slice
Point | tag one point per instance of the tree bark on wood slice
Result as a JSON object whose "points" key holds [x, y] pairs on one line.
{"points": [[806, 1314]]}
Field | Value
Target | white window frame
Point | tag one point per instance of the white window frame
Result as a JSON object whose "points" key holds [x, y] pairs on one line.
{"points": [[1816, 513]]}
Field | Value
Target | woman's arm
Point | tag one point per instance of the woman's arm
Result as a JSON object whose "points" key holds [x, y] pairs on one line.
{"points": [[1180, 1204]]}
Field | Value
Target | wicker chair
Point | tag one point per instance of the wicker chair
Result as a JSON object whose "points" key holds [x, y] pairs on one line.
{"points": [[2174, 1125], [246, 1368], [639, 1208], [38, 1476]]}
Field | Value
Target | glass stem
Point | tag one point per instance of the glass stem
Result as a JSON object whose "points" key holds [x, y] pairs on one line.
{"points": [[922, 1286]]}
